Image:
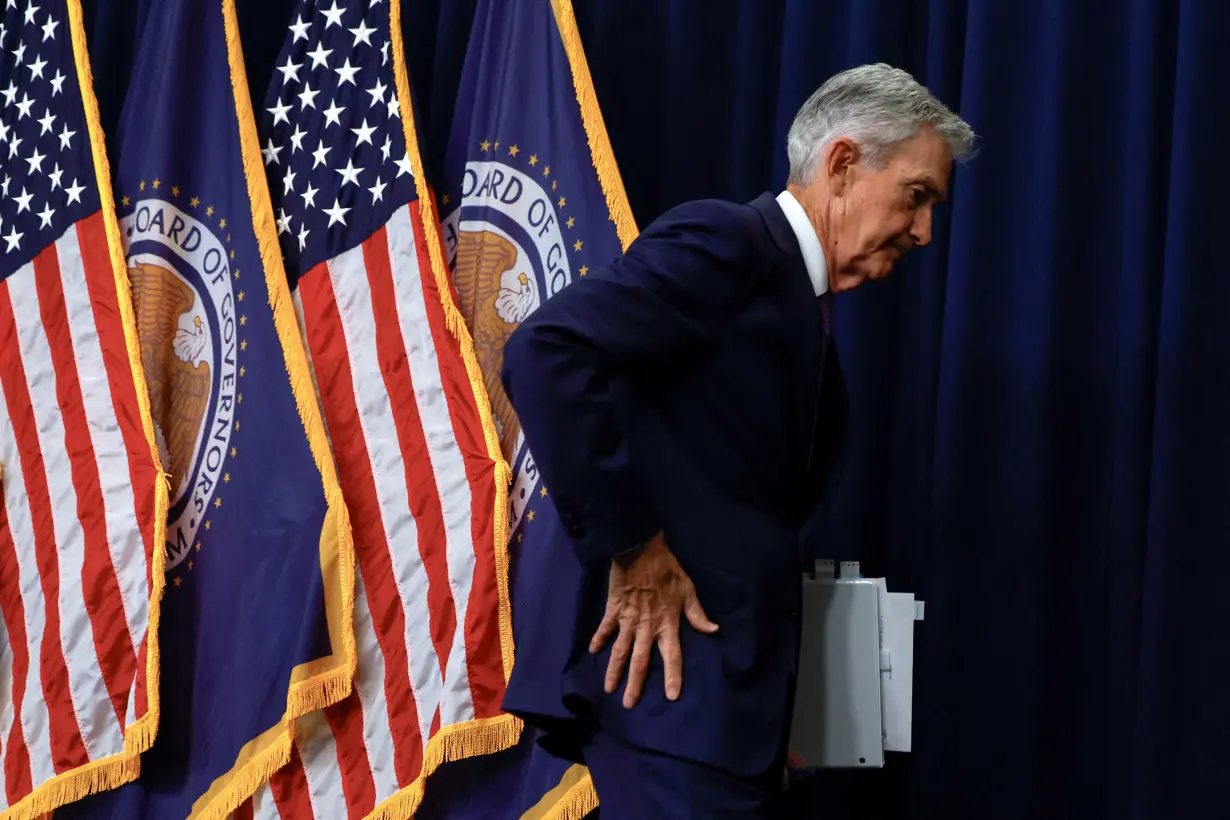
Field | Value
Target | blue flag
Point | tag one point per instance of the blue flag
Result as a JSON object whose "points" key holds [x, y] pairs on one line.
{"points": [[533, 200], [256, 626]]}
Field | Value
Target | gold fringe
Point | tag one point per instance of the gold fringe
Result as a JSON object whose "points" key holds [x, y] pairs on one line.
{"points": [[96, 776], [326, 681], [115, 770], [576, 803], [595, 128], [451, 743]]}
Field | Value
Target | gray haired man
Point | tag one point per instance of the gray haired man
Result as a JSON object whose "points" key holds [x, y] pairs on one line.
{"points": [[686, 408]]}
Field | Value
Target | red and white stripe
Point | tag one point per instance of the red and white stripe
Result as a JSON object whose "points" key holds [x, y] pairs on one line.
{"points": [[414, 468], [76, 522]]}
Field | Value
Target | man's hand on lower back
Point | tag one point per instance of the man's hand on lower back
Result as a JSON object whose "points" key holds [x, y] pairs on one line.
{"points": [[644, 602]]}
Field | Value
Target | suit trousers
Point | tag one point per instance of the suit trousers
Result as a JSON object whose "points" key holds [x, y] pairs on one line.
{"points": [[639, 784]]}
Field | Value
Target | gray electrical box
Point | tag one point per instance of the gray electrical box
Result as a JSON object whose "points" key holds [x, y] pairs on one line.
{"points": [[853, 695]]}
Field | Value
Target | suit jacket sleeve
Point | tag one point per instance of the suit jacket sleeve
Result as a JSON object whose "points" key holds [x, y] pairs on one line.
{"points": [[675, 289]]}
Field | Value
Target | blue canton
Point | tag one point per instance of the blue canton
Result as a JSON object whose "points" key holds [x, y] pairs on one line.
{"points": [[331, 133], [46, 169]]}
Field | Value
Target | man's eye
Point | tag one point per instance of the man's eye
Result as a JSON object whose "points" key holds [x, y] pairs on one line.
{"points": [[918, 196]]}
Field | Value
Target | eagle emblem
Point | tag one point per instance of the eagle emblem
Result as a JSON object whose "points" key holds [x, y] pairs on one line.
{"points": [[496, 294], [173, 355]]}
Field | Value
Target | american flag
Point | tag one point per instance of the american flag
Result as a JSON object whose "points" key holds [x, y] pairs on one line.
{"points": [[81, 490], [405, 407]]}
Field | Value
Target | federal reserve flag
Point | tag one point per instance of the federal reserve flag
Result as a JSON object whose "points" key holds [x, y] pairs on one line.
{"points": [[532, 201], [82, 504], [417, 451], [257, 616]]}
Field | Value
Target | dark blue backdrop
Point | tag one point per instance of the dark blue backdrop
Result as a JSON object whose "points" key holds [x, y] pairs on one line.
{"points": [[1041, 399]]}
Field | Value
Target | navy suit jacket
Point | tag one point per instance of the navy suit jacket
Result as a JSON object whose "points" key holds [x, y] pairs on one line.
{"points": [[691, 388]]}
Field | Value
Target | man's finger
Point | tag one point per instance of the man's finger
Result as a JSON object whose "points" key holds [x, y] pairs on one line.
{"points": [[672, 658], [619, 656], [639, 668], [605, 630], [695, 613]]}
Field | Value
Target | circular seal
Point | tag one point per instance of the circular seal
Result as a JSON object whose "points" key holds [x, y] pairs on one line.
{"points": [[185, 308], [508, 255]]}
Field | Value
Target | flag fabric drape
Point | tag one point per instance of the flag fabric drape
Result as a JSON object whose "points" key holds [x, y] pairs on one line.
{"points": [[82, 500], [257, 627], [533, 199], [416, 448]]}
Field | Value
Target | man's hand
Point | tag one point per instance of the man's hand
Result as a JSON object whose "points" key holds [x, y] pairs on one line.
{"points": [[643, 603]]}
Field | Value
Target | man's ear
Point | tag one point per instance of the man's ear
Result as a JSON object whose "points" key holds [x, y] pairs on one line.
{"points": [[840, 156]]}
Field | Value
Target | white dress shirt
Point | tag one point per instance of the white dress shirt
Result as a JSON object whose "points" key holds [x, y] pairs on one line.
{"points": [[809, 242]]}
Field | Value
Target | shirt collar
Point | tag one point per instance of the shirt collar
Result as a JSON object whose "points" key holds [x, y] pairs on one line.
{"points": [[809, 242]]}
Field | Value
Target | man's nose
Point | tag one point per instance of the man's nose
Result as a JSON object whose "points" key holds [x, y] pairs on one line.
{"points": [[920, 230]]}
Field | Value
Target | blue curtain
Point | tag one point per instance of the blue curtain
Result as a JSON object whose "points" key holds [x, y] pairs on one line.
{"points": [[1041, 398]]}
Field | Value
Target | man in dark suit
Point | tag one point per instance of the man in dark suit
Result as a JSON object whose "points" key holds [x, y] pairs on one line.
{"points": [[686, 408]]}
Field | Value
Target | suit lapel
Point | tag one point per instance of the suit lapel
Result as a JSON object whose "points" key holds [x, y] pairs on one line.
{"points": [[796, 301]]}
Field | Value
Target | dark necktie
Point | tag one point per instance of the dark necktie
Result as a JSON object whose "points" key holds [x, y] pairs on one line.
{"points": [[826, 312]]}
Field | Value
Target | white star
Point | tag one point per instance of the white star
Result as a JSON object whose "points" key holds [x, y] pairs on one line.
{"points": [[55, 177], [384, 53], [296, 139], [66, 138], [74, 192], [319, 155], [10, 93], [349, 173], [20, 52], [3, 33], [16, 141], [303, 234], [49, 29], [403, 165], [13, 238], [320, 56], [384, 149], [270, 152], [300, 29], [57, 83], [290, 71], [377, 92], [23, 201], [45, 215], [4, 132], [309, 195], [336, 214], [36, 68], [345, 73], [377, 190], [307, 97], [36, 161], [394, 106], [362, 34], [283, 221], [4, 186], [332, 114], [46, 121], [10, 4], [364, 133], [333, 15], [279, 112], [23, 107], [30, 10], [288, 181]]}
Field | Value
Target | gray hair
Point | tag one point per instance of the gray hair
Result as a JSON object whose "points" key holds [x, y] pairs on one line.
{"points": [[877, 106]]}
